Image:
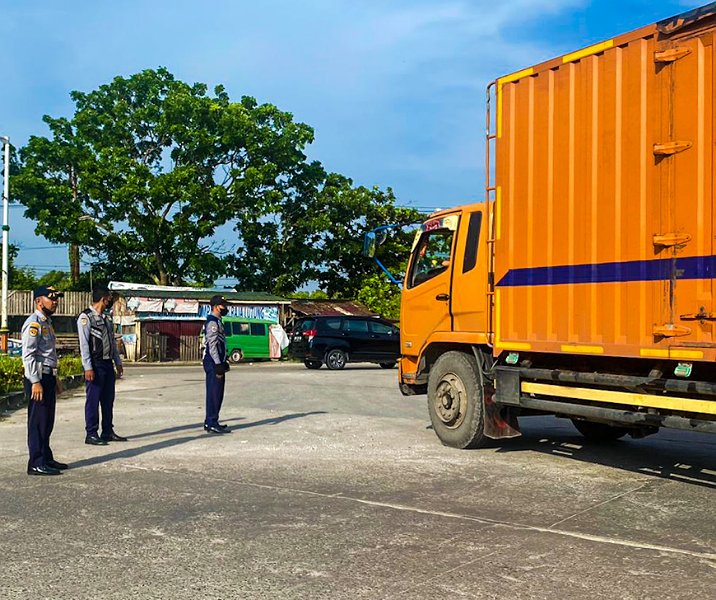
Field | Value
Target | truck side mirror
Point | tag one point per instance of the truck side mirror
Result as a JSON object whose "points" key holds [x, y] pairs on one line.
{"points": [[369, 244]]}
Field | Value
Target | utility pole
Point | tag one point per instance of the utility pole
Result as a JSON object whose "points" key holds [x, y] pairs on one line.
{"points": [[5, 230]]}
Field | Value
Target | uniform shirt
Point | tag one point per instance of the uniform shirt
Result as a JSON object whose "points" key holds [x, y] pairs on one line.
{"points": [[38, 346], [214, 339], [99, 328]]}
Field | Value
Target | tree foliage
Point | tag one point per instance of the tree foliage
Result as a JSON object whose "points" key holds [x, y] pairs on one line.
{"points": [[380, 295], [316, 235], [148, 169]]}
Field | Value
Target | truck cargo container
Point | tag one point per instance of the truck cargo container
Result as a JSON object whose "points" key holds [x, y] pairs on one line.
{"points": [[583, 286]]}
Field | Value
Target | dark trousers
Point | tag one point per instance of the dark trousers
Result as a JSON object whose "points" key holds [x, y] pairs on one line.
{"points": [[214, 393], [100, 393], [40, 421]]}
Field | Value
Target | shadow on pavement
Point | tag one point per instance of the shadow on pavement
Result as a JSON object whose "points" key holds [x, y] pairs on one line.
{"points": [[131, 452], [662, 458], [177, 429], [277, 420]]}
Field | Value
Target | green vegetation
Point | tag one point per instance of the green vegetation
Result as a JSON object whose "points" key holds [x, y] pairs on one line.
{"points": [[381, 296], [148, 168], [11, 371]]}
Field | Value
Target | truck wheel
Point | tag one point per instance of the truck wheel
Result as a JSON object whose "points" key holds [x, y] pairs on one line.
{"points": [[599, 432], [236, 356], [456, 401], [336, 359], [312, 364]]}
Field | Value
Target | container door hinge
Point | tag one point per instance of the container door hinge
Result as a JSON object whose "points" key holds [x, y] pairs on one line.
{"points": [[669, 240], [671, 55], [668, 331], [670, 148]]}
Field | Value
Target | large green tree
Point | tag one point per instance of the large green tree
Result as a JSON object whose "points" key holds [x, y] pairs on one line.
{"points": [[314, 235], [149, 167]]}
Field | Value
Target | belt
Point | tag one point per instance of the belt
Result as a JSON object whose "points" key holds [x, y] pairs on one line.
{"points": [[49, 370]]}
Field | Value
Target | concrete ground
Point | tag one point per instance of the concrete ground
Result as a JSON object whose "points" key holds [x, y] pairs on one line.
{"points": [[332, 485]]}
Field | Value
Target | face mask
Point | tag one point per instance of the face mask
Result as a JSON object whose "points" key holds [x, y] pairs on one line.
{"points": [[223, 311], [109, 305], [48, 311]]}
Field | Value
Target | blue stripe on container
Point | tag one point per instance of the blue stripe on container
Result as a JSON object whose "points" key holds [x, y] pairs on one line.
{"points": [[695, 267]]}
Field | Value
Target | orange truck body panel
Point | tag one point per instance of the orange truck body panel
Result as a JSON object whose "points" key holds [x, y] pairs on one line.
{"points": [[604, 211]]}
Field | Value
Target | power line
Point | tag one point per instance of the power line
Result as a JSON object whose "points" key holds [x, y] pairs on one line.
{"points": [[23, 249]]}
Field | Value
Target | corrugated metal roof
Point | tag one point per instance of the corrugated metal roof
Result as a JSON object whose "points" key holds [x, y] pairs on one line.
{"points": [[330, 307]]}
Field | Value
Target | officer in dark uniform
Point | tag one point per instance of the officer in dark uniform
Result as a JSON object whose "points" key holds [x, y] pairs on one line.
{"points": [[215, 364], [39, 359], [99, 359]]}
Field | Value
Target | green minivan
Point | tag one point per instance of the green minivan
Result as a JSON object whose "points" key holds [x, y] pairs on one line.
{"points": [[247, 338]]}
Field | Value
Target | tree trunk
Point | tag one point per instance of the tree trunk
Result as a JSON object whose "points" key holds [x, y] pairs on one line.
{"points": [[74, 264]]}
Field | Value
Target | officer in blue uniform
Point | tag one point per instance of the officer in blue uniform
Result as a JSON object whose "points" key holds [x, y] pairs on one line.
{"points": [[98, 349], [215, 364], [39, 359]]}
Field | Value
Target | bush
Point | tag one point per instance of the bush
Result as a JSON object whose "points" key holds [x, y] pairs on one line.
{"points": [[11, 371], [70, 365]]}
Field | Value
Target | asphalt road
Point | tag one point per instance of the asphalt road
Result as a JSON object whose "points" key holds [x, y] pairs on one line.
{"points": [[332, 485]]}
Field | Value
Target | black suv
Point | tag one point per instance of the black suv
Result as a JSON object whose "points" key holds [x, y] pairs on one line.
{"points": [[338, 340]]}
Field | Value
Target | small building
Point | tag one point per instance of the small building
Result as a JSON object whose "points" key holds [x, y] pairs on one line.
{"points": [[310, 307], [161, 323]]}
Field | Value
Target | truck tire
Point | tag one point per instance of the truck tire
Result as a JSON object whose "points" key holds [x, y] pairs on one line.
{"points": [[599, 432], [312, 364], [456, 401]]}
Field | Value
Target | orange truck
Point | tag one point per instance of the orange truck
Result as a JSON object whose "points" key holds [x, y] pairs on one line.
{"points": [[584, 285]]}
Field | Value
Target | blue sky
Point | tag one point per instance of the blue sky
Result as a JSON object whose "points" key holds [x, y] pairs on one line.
{"points": [[394, 88]]}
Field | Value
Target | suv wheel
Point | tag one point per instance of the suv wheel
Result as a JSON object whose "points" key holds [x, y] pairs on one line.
{"points": [[336, 359], [312, 364]]}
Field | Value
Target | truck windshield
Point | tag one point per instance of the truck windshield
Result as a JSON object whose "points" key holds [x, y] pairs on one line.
{"points": [[432, 256]]}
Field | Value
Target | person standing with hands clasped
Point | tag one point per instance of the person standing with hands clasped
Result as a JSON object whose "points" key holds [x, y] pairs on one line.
{"points": [[215, 364], [39, 360], [99, 358]]}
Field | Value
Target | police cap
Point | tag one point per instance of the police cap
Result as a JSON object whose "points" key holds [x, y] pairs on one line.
{"points": [[218, 300], [48, 291]]}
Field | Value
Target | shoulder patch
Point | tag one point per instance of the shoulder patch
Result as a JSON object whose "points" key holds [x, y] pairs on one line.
{"points": [[34, 329], [84, 320], [213, 327]]}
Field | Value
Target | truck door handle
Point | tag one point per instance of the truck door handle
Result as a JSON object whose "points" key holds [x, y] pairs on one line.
{"points": [[443, 297]]}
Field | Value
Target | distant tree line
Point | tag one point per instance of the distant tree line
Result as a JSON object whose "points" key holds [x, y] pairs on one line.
{"points": [[139, 181]]}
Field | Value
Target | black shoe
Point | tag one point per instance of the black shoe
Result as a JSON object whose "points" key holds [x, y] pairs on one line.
{"points": [[214, 429], [224, 427], [57, 465], [94, 440], [43, 470], [113, 437]]}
